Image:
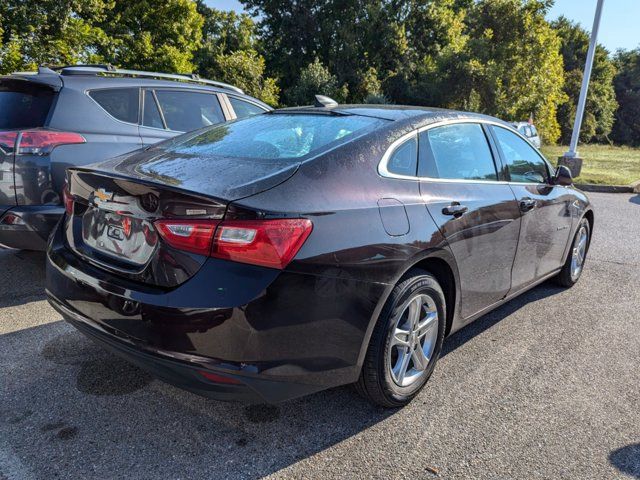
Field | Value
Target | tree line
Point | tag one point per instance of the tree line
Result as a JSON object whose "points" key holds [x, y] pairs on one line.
{"points": [[500, 57]]}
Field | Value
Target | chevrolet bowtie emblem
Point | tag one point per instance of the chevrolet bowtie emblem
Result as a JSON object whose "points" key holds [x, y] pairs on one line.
{"points": [[103, 195]]}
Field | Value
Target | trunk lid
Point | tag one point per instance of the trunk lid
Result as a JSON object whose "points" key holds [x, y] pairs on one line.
{"points": [[110, 223], [116, 202], [194, 170]]}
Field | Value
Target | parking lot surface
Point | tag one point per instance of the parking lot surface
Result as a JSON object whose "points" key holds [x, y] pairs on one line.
{"points": [[547, 386]]}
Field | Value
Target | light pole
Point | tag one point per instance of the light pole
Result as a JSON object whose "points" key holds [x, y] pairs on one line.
{"points": [[571, 158]]}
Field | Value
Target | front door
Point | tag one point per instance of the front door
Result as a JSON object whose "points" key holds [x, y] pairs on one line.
{"points": [[545, 208], [477, 213]]}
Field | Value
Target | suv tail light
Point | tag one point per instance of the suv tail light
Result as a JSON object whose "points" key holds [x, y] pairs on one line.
{"points": [[269, 243], [38, 142], [8, 140]]}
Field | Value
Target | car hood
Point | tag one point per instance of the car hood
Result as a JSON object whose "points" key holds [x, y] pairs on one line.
{"points": [[209, 175]]}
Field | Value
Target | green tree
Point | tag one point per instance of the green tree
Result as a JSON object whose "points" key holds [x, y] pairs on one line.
{"points": [[37, 32], [511, 66], [601, 99], [245, 69], [430, 38], [229, 53], [626, 129], [160, 35], [347, 38], [315, 79]]}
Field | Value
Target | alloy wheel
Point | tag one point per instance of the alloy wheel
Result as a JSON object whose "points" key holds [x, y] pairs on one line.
{"points": [[579, 252], [414, 337]]}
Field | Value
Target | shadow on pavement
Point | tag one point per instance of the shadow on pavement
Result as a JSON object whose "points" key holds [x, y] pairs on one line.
{"points": [[635, 199], [76, 411], [627, 459]]}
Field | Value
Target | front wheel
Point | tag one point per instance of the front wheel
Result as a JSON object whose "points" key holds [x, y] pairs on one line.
{"points": [[406, 342], [573, 266]]}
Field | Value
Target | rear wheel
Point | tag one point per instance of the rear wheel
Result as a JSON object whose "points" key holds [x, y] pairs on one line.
{"points": [[406, 342], [573, 266]]}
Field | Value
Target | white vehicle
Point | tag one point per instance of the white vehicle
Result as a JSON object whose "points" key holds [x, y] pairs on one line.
{"points": [[528, 130]]}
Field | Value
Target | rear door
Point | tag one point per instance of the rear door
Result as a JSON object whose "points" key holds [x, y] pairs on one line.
{"points": [[546, 208], [475, 211], [169, 112], [23, 104]]}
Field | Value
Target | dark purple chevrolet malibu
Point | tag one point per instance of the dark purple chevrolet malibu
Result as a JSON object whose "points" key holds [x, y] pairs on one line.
{"points": [[282, 254]]}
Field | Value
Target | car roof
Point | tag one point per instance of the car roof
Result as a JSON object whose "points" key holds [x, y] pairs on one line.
{"points": [[77, 79], [408, 113]]}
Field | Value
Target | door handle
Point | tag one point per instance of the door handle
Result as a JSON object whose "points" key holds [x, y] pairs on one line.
{"points": [[454, 209], [527, 204]]}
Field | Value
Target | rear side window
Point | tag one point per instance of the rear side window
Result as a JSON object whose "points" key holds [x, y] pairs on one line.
{"points": [[404, 159], [244, 109], [186, 111], [276, 136], [120, 103], [458, 152], [24, 105]]}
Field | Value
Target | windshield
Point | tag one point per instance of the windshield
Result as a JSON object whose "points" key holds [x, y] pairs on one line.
{"points": [[275, 136]]}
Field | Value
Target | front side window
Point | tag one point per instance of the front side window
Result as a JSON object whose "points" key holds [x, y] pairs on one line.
{"points": [[185, 111], [522, 161], [404, 159], [458, 151], [275, 136], [120, 103], [244, 109]]}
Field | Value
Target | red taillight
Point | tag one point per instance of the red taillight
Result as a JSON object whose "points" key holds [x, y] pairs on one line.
{"points": [[190, 235], [11, 219], [37, 142], [8, 140], [41, 142], [214, 377], [67, 199], [270, 243]]}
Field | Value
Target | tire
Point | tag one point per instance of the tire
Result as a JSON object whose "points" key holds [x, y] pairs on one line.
{"points": [[569, 275], [382, 379]]}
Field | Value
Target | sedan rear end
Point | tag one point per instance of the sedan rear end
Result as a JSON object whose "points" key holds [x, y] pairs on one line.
{"points": [[158, 259]]}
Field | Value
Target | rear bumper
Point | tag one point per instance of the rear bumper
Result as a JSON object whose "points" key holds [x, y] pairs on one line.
{"points": [[37, 224], [187, 371]]}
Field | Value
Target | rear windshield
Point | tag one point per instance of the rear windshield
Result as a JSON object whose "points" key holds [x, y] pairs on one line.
{"points": [[23, 104], [275, 136]]}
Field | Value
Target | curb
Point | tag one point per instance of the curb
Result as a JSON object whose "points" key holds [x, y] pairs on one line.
{"points": [[593, 187]]}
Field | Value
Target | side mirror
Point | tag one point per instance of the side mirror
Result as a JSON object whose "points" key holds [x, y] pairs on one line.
{"points": [[563, 176]]}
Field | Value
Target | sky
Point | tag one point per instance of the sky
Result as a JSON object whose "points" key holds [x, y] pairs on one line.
{"points": [[619, 27]]}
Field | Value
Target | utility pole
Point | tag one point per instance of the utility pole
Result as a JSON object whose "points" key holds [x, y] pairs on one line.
{"points": [[571, 158]]}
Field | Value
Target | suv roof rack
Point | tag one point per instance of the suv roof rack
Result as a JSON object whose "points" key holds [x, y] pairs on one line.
{"points": [[95, 69]]}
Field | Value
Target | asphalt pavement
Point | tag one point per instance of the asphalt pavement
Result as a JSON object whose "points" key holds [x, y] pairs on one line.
{"points": [[547, 386]]}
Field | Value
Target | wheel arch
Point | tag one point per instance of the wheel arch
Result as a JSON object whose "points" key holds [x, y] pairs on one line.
{"points": [[590, 218], [442, 271], [441, 264]]}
